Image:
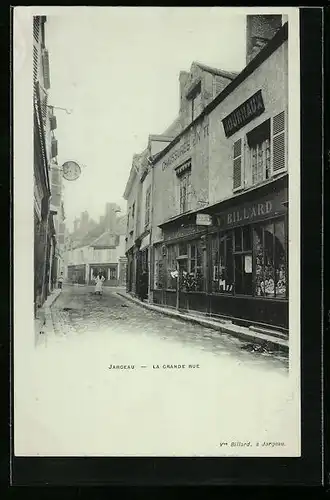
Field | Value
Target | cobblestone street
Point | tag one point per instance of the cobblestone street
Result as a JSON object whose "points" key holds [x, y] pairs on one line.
{"points": [[79, 311], [168, 378]]}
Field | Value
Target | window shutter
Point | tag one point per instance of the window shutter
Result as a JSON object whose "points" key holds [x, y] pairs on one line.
{"points": [[238, 164], [53, 122], [35, 63], [54, 149], [45, 67], [36, 28], [279, 143]]}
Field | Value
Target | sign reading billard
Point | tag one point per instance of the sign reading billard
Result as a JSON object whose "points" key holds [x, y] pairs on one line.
{"points": [[250, 212], [242, 115]]}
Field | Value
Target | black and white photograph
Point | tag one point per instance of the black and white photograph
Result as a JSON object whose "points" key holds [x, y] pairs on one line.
{"points": [[156, 232]]}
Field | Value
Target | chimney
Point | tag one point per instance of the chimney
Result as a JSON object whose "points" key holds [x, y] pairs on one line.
{"points": [[111, 216], [259, 30], [183, 78]]}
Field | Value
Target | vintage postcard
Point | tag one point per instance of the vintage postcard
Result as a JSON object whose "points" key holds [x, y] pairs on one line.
{"points": [[156, 232]]}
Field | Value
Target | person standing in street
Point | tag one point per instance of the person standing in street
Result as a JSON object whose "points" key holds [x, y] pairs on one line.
{"points": [[143, 286], [60, 281], [99, 284]]}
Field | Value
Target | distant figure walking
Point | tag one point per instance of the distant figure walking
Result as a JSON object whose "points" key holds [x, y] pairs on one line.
{"points": [[60, 281], [99, 284]]}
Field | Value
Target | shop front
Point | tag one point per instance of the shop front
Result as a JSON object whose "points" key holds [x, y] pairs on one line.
{"points": [[108, 271], [179, 266], [237, 267], [248, 257]]}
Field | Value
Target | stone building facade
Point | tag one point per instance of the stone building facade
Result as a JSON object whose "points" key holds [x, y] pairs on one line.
{"points": [[48, 203], [94, 248], [218, 235]]}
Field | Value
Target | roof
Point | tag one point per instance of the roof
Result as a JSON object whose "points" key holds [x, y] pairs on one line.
{"points": [[280, 37], [106, 240], [138, 165], [215, 71]]}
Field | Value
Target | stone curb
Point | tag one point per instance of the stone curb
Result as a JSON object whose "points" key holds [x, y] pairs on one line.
{"points": [[238, 331]]}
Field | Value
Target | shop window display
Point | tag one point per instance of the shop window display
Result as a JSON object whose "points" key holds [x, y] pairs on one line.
{"points": [[171, 266], [270, 260], [250, 261], [222, 258]]}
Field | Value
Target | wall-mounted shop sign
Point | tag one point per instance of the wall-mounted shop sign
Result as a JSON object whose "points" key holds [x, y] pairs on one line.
{"points": [[247, 213], [242, 115], [203, 220], [182, 231], [194, 137]]}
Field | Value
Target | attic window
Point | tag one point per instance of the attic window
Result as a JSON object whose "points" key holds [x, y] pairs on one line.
{"points": [[194, 90]]}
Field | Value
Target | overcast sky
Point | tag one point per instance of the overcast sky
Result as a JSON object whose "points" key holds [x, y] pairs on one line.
{"points": [[117, 69]]}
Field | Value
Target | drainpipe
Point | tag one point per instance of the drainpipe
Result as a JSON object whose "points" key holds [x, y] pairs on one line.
{"points": [[151, 248]]}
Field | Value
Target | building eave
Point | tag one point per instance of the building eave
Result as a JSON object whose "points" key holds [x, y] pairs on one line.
{"points": [[276, 42], [221, 204]]}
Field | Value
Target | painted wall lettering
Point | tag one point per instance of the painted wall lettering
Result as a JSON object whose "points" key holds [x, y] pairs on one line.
{"points": [[190, 141]]}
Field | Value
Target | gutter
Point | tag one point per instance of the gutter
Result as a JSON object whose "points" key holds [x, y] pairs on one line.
{"points": [[276, 42]]}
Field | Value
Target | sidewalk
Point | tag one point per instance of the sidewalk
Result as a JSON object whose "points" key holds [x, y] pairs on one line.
{"points": [[43, 323], [271, 339]]}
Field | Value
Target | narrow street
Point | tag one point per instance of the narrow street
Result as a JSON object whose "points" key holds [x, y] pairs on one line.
{"points": [[79, 311], [146, 394]]}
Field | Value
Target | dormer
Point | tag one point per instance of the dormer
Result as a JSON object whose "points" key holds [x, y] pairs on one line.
{"points": [[198, 88]]}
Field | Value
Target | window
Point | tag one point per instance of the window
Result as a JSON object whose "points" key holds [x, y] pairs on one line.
{"points": [[242, 254], [270, 260], [251, 260], [260, 159], [171, 266], [195, 98], [133, 210], [196, 106], [159, 277], [147, 207], [189, 266], [222, 261], [193, 280], [113, 273], [185, 191]]}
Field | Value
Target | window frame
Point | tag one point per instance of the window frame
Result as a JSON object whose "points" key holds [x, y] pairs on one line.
{"points": [[216, 258]]}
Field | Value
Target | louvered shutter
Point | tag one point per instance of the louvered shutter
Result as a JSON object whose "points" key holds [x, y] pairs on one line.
{"points": [[35, 63], [36, 28], [279, 143], [237, 164]]}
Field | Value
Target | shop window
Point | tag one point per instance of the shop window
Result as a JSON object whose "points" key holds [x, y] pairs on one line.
{"points": [[270, 260], [259, 145], [113, 273], [192, 274], [171, 266], [243, 260], [185, 191], [222, 262], [159, 267]]}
